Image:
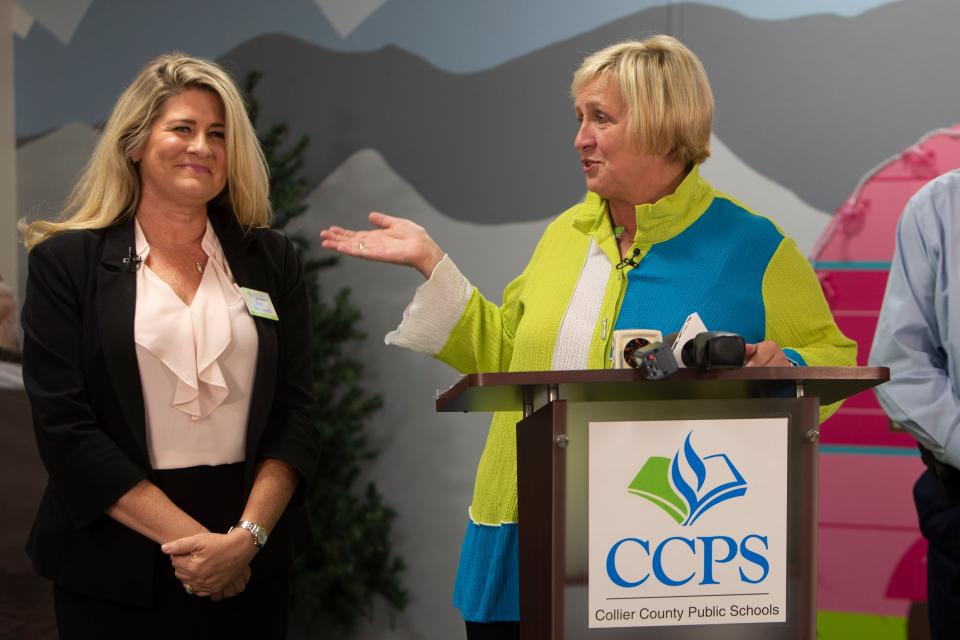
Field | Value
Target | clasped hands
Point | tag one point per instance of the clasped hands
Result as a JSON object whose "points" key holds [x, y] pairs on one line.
{"points": [[212, 564]]}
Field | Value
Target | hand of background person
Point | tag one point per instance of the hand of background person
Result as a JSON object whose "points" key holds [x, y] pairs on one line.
{"points": [[212, 564], [765, 354], [397, 240], [8, 318]]}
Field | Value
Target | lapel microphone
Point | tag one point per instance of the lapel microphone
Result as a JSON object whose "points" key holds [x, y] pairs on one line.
{"points": [[629, 260], [132, 262]]}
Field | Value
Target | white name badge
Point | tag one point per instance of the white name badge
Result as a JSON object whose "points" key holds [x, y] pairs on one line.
{"points": [[259, 303]]}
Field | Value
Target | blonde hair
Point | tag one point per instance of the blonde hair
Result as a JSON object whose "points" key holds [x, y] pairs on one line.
{"points": [[666, 92], [108, 190]]}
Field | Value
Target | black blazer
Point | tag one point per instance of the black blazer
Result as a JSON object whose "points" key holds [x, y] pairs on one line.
{"points": [[80, 371]]}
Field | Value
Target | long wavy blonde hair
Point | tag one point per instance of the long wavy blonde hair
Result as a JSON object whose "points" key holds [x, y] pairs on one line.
{"points": [[108, 190]]}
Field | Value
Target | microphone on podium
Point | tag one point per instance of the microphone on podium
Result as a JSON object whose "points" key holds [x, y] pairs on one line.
{"points": [[654, 359], [711, 350]]}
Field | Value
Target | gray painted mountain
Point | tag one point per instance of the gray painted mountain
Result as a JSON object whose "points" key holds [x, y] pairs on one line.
{"points": [[46, 170], [816, 102], [490, 147], [428, 460], [811, 103], [55, 84]]}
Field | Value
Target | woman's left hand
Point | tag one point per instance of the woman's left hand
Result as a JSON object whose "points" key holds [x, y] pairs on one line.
{"points": [[211, 563], [233, 589], [765, 354]]}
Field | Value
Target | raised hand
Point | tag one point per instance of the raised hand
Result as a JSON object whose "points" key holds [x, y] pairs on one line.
{"points": [[396, 240]]}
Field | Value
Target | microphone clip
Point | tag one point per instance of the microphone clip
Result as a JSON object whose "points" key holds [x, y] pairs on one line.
{"points": [[132, 262], [629, 260]]}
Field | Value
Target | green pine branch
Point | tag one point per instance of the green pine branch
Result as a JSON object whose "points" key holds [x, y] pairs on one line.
{"points": [[351, 565]]}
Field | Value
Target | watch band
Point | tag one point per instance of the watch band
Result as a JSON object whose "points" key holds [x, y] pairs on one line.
{"points": [[256, 531]]}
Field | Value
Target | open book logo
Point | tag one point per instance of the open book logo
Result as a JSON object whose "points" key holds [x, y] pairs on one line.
{"points": [[689, 485]]}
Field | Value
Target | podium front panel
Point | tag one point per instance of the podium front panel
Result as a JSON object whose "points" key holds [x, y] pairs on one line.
{"points": [[674, 487]]}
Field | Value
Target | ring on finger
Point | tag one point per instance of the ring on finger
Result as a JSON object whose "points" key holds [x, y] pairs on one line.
{"points": [[188, 589], [361, 248]]}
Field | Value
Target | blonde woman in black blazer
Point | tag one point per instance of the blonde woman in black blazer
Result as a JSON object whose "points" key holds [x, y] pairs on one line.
{"points": [[135, 551]]}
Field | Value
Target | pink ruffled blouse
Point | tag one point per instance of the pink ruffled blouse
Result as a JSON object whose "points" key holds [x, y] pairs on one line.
{"points": [[196, 363]]}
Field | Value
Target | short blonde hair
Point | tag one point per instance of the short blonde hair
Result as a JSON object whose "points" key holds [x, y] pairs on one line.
{"points": [[666, 92], [109, 187]]}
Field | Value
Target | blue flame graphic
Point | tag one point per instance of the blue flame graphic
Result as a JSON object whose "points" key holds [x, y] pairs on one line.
{"points": [[724, 483]]}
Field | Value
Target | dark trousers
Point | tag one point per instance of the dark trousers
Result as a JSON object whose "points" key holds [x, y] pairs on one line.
{"points": [[259, 612], [940, 524], [493, 631]]}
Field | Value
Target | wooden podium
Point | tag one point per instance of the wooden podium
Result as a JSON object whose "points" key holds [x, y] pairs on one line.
{"points": [[552, 450]]}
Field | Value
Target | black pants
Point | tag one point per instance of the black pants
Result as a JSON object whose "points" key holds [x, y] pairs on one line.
{"points": [[940, 524], [258, 612], [493, 631]]}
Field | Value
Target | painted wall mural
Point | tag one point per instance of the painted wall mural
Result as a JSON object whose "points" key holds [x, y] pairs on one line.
{"points": [[457, 115], [868, 465]]}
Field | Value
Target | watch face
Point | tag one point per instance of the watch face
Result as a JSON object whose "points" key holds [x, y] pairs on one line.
{"points": [[259, 533]]}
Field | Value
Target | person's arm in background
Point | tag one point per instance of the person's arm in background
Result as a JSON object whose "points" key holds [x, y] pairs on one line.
{"points": [[798, 317], [11, 373], [91, 474], [9, 340], [919, 395]]}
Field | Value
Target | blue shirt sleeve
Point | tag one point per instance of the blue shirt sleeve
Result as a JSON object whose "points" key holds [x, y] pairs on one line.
{"points": [[912, 331]]}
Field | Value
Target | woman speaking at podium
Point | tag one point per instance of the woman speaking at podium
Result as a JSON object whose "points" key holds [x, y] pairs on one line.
{"points": [[651, 243]]}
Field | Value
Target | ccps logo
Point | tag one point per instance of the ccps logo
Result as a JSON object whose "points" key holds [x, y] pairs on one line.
{"points": [[686, 487], [689, 485]]}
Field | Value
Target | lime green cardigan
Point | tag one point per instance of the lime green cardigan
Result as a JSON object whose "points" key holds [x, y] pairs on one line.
{"points": [[520, 334]]}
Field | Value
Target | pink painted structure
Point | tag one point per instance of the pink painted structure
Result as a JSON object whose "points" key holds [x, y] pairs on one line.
{"points": [[872, 557]]}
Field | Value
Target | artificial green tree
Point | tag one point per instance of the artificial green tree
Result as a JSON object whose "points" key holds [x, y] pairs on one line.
{"points": [[351, 562]]}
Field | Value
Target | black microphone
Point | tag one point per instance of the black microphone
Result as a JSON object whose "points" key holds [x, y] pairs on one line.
{"points": [[629, 259], [132, 262], [714, 350]]}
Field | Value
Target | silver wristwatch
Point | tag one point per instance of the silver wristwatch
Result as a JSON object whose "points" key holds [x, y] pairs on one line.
{"points": [[258, 533]]}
